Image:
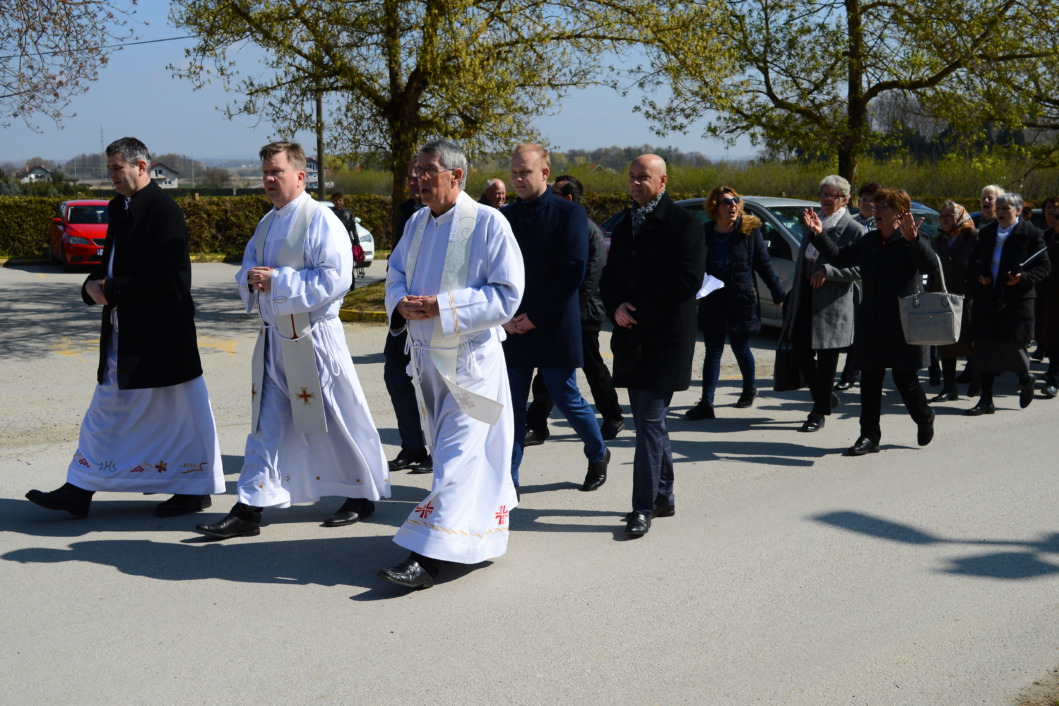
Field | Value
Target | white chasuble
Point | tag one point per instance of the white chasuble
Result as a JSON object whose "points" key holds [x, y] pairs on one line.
{"points": [[342, 454], [476, 271]]}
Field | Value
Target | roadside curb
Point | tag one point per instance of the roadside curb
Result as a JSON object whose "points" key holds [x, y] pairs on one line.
{"points": [[375, 317]]}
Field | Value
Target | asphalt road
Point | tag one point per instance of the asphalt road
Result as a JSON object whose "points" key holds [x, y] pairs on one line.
{"points": [[790, 574]]}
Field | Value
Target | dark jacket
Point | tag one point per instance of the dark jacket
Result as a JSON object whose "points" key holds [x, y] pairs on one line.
{"points": [[1003, 313], [955, 255], [553, 236], [736, 304], [888, 270], [1047, 309], [658, 273], [592, 312], [151, 289]]}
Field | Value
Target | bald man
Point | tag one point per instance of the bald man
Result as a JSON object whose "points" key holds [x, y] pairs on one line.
{"points": [[656, 264]]}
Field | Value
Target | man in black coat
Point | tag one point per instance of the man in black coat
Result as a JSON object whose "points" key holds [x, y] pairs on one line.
{"points": [[546, 330], [656, 265], [149, 427], [413, 454], [597, 374]]}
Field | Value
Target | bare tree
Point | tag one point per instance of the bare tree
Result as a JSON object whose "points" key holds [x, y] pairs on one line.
{"points": [[50, 51]]}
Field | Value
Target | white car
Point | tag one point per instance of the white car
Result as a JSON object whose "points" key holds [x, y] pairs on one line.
{"points": [[364, 236]]}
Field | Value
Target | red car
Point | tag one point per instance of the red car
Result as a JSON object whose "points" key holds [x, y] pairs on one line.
{"points": [[76, 235]]}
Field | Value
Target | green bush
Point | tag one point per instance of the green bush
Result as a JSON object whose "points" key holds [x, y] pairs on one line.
{"points": [[24, 222]]}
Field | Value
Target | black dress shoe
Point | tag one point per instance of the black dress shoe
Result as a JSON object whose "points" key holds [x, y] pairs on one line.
{"points": [[231, 526], [844, 385], [409, 573], [835, 400], [815, 422], [535, 437], [747, 398], [610, 428], [925, 430], [703, 410], [950, 396], [407, 459], [69, 497], [665, 510], [182, 505], [865, 445], [352, 510], [637, 524], [1026, 392], [980, 409], [424, 466], [597, 473]]}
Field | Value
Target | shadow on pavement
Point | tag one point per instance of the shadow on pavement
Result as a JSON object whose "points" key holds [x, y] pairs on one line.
{"points": [[1025, 562]]}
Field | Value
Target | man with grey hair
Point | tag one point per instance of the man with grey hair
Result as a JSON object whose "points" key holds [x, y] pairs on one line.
{"points": [[149, 427], [988, 203], [455, 277], [495, 193], [311, 433]]}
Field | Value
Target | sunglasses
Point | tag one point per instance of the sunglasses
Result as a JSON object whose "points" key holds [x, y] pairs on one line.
{"points": [[730, 201]]}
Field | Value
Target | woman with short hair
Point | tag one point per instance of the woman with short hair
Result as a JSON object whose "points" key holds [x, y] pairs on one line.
{"points": [[954, 245], [1007, 262], [891, 260], [818, 318]]}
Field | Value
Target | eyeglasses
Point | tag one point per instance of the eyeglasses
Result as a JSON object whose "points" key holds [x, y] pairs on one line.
{"points": [[429, 171], [829, 196], [730, 201]]}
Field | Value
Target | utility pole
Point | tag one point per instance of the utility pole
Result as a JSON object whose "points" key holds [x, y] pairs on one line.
{"points": [[320, 190]]}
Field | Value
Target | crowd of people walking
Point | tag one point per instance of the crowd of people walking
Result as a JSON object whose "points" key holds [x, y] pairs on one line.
{"points": [[493, 307]]}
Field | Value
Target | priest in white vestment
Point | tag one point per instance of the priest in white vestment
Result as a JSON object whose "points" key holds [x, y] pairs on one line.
{"points": [[455, 277], [311, 432], [149, 427]]}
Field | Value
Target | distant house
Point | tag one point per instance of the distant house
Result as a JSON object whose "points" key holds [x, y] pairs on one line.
{"points": [[312, 175], [37, 173], [165, 176]]}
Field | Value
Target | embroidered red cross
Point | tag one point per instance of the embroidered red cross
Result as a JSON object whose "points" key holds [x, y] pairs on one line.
{"points": [[425, 510], [501, 515], [253, 391], [305, 396]]}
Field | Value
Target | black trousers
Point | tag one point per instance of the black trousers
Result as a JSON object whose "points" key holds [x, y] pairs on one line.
{"points": [[907, 384], [599, 382]]}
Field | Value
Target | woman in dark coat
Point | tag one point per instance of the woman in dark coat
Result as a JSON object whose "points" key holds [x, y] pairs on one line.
{"points": [[735, 250], [818, 319], [1007, 262], [891, 260], [1047, 313], [954, 246]]}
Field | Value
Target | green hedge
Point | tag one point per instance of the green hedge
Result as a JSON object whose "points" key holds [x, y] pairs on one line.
{"points": [[216, 224]]}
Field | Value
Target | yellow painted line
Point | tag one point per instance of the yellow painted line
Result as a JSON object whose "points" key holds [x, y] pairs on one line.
{"points": [[225, 345], [65, 347]]}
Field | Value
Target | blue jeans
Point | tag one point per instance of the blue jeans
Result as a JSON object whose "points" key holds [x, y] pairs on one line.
{"points": [[562, 386], [711, 366], [652, 465]]}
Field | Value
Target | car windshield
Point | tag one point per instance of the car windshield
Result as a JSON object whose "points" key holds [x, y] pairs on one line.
{"points": [[791, 218], [88, 214]]}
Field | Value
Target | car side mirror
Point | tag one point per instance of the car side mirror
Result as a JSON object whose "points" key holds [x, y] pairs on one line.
{"points": [[57, 219]]}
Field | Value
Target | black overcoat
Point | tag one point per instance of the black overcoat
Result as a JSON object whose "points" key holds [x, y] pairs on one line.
{"points": [[151, 290], [553, 236], [1003, 313], [889, 269], [1047, 309], [658, 273]]}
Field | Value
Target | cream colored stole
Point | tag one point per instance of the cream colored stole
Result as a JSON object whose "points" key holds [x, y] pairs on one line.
{"points": [[295, 334], [444, 353]]}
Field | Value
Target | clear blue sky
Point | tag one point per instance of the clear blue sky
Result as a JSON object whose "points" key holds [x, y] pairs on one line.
{"points": [[137, 96]]}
